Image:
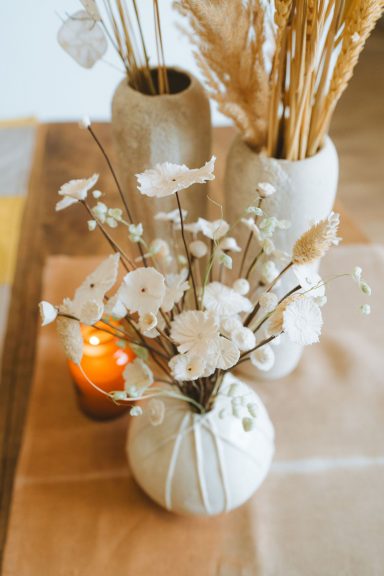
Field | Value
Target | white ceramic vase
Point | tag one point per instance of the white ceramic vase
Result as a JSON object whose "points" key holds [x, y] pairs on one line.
{"points": [[306, 191], [194, 464], [147, 130]]}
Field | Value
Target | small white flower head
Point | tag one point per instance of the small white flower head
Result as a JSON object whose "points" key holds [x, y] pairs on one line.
{"points": [[357, 274], [119, 395], [74, 191], [254, 210], [265, 189], [113, 217], [172, 216], [229, 244], [228, 354], [193, 227], [314, 243], [92, 9], [213, 230], [244, 339], [224, 301], [147, 322], [137, 378], [156, 411], [263, 358], [267, 227], [97, 284], [135, 232], [182, 260], [175, 286], [302, 321], [365, 288], [91, 225], [195, 332], [198, 249], [224, 259], [97, 194], [241, 286], [365, 309], [136, 411], [160, 248], [252, 227], [230, 325], [167, 179], [48, 313], [85, 123], [142, 290], [269, 272], [268, 301], [83, 39], [100, 212], [268, 246], [187, 367]]}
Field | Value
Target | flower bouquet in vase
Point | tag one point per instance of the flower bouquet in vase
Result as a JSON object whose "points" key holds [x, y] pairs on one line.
{"points": [[200, 440], [277, 70], [159, 113]]}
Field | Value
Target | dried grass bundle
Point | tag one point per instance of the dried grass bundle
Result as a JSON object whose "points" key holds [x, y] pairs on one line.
{"points": [[229, 36], [316, 47]]}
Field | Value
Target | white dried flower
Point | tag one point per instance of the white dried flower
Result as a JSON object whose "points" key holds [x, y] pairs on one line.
{"points": [[156, 411], [115, 308], [229, 244], [213, 230], [187, 367], [92, 9], [90, 312], [254, 210], [314, 243], [228, 354], [265, 189], [91, 225], [135, 232], [268, 246], [302, 321], [69, 334], [85, 123], [224, 301], [147, 322], [136, 411], [119, 395], [365, 309], [357, 274], [224, 259], [48, 313], [195, 332], [242, 286], [263, 358], [172, 216], [142, 290], [198, 249], [269, 272], [160, 248], [137, 378], [97, 194], [100, 211], [229, 325], [252, 227], [175, 286], [83, 39], [74, 191], [97, 284], [310, 281], [244, 339], [268, 301], [167, 179]]}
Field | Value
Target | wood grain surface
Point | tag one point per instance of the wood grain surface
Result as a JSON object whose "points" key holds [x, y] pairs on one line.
{"points": [[62, 152]]}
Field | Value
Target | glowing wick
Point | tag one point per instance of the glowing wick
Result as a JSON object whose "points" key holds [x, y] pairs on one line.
{"points": [[94, 340]]}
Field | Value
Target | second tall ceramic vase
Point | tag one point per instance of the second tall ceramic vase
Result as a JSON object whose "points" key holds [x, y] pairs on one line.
{"points": [[306, 191], [147, 130]]}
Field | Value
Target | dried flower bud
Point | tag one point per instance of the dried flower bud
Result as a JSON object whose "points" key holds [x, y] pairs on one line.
{"points": [[85, 123], [265, 189], [241, 286], [198, 249]]}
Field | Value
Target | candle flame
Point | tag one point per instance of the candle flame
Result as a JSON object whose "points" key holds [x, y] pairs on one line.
{"points": [[94, 340]]}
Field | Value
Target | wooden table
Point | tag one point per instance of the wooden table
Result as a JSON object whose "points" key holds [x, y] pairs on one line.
{"points": [[62, 152]]}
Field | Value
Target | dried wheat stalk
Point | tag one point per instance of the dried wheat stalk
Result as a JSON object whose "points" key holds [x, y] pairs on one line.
{"points": [[287, 111]]}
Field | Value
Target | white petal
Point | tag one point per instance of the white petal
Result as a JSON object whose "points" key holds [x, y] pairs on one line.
{"points": [[83, 39], [48, 312]]}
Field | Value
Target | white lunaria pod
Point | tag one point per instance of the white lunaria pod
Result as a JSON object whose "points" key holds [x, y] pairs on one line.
{"points": [[195, 464]]}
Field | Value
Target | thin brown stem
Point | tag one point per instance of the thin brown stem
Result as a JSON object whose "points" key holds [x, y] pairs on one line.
{"points": [[187, 251]]}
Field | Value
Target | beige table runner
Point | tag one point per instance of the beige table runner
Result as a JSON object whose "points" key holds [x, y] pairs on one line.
{"points": [[77, 511]]}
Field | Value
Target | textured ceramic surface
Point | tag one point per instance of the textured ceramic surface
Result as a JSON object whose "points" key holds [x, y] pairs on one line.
{"points": [[201, 464], [306, 191], [169, 128]]}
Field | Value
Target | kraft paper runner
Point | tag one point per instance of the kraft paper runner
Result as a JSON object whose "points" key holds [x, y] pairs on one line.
{"points": [[77, 511]]}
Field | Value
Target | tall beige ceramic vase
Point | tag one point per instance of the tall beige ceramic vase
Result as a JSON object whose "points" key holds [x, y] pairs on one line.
{"points": [[174, 127], [306, 191]]}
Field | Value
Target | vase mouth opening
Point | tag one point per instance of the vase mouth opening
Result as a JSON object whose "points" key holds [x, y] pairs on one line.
{"points": [[324, 146], [178, 80]]}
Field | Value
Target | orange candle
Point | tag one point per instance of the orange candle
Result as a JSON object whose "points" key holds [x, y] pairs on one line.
{"points": [[103, 362]]}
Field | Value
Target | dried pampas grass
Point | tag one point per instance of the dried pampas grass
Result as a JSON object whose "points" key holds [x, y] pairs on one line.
{"points": [[287, 110], [314, 243]]}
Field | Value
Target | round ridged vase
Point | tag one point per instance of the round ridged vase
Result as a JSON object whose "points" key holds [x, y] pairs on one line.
{"points": [[147, 130], [306, 191], [201, 464]]}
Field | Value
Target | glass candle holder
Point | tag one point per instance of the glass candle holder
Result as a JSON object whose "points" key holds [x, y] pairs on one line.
{"points": [[103, 362]]}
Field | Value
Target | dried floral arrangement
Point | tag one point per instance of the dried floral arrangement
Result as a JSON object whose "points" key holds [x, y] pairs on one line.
{"points": [[278, 69], [85, 34], [193, 309]]}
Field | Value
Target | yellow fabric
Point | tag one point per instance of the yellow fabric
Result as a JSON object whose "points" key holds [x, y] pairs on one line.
{"points": [[11, 211]]}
